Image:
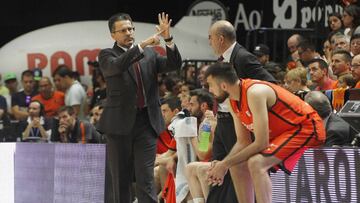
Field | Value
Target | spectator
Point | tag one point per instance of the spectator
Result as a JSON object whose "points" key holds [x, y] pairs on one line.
{"points": [[347, 81], [327, 51], [276, 71], [201, 78], [37, 77], [335, 23], [340, 64], [6, 133], [185, 89], [4, 91], [307, 52], [189, 73], [50, 98], [21, 100], [295, 80], [11, 82], [341, 42], [185, 101], [75, 95], [355, 70], [355, 44], [36, 127], [262, 52], [71, 129], [293, 43], [96, 113], [338, 131], [319, 75], [351, 20], [100, 90]]}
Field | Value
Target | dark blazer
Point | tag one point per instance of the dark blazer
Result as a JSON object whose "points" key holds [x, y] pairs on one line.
{"points": [[248, 66], [117, 67], [338, 132]]}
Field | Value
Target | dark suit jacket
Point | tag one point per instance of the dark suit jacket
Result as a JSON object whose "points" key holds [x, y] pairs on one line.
{"points": [[117, 66], [338, 132], [248, 66]]}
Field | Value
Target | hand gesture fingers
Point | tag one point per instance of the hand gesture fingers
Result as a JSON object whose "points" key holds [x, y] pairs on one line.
{"points": [[164, 25]]}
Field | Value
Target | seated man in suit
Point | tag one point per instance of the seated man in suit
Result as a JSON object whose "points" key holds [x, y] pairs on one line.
{"points": [[338, 131]]}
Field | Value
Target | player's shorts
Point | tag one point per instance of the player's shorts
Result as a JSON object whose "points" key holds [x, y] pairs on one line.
{"points": [[291, 145]]}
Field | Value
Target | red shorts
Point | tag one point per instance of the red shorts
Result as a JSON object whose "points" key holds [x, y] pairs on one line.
{"points": [[291, 145]]}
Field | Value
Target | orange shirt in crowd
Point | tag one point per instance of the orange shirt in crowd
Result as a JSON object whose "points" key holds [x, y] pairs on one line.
{"points": [[357, 85], [53, 104], [329, 84]]}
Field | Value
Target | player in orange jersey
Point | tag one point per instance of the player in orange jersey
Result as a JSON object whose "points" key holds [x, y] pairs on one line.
{"points": [[283, 126]]}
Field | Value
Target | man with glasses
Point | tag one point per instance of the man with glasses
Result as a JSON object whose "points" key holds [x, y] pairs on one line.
{"points": [[355, 69], [131, 119]]}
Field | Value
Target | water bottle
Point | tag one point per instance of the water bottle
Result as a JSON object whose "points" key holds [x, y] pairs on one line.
{"points": [[204, 137]]}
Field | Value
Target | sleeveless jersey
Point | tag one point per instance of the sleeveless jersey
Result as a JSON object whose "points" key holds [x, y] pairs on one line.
{"points": [[287, 112]]}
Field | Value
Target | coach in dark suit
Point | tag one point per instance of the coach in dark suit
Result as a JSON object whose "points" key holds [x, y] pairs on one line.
{"points": [[132, 119], [222, 38]]}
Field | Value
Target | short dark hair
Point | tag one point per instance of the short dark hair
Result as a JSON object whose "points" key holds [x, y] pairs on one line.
{"points": [[63, 70], [27, 73], [222, 71], [345, 54], [355, 36], [306, 44], [117, 17], [69, 109], [173, 102], [321, 62], [203, 96]]}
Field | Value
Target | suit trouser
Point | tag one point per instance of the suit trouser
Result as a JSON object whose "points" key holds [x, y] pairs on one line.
{"points": [[133, 153], [224, 139]]}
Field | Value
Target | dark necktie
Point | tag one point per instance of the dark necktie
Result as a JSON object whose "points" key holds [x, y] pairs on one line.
{"points": [[220, 59], [139, 91]]}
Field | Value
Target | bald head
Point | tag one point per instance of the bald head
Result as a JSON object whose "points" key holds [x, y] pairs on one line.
{"points": [[226, 29], [319, 102], [293, 42]]}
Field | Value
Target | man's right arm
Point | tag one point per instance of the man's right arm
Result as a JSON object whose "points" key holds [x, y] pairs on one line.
{"points": [[242, 135], [112, 64]]}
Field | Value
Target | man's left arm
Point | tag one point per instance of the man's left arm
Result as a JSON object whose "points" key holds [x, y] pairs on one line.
{"points": [[257, 100]]}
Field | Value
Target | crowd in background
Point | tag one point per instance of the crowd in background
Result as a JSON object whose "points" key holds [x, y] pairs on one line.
{"points": [[37, 108]]}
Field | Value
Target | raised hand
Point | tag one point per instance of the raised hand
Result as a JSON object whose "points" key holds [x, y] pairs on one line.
{"points": [[164, 25]]}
